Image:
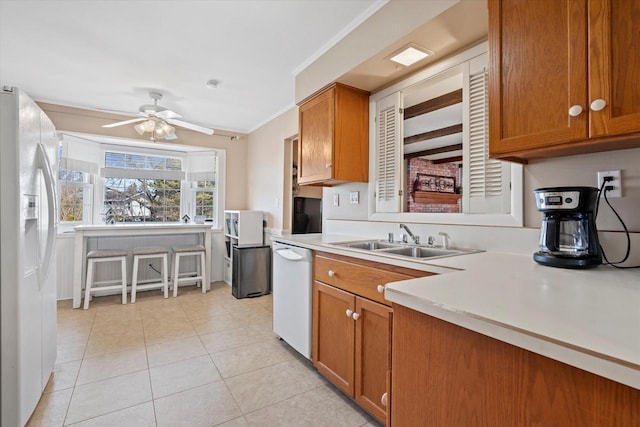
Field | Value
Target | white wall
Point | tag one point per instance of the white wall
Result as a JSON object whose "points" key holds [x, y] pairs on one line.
{"points": [[265, 166]]}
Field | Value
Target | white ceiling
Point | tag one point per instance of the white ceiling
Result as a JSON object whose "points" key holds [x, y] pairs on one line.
{"points": [[109, 54]]}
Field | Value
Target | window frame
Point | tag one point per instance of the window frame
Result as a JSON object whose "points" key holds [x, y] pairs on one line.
{"points": [[512, 219]]}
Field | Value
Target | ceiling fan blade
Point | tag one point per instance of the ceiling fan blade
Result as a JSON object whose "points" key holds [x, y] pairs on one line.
{"points": [[167, 114], [170, 137], [125, 122], [190, 126]]}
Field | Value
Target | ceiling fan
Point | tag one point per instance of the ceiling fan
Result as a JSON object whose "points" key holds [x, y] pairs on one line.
{"points": [[157, 120]]}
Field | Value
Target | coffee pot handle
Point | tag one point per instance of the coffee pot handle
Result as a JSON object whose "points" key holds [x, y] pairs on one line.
{"points": [[551, 241]]}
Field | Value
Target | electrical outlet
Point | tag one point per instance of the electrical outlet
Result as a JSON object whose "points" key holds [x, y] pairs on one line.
{"points": [[336, 200], [616, 183], [354, 197]]}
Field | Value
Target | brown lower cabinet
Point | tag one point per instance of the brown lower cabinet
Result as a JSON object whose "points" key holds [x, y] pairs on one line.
{"points": [[446, 375], [351, 331]]}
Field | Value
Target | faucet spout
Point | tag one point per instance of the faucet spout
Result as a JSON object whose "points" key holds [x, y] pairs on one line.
{"points": [[416, 239]]}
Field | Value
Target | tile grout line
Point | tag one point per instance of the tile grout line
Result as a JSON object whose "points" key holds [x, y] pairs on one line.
{"points": [[75, 381]]}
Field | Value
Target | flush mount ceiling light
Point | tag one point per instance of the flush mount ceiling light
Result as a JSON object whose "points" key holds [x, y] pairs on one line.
{"points": [[410, 54]]}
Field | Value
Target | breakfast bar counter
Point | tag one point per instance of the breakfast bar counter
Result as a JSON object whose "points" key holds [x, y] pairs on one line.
{"points": [[84, 232]]}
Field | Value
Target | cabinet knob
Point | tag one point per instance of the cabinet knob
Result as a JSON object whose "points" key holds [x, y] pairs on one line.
{"points": [[355, 316], [327, 166], [381, 289], [598, 104], [331, 273], [575, 110], [349, 313], [384, 399]]}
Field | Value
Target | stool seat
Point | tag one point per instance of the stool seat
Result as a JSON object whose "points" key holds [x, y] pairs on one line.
{"points": [[188, 248], [107, 253], [150, 250]]}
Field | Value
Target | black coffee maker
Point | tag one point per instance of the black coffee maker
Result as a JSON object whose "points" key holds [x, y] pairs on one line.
{"points": [[568, 236]]}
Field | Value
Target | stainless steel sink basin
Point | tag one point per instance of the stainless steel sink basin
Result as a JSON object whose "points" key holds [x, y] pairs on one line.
{"points": [[370, 245], [404, 250], [425, 252]]}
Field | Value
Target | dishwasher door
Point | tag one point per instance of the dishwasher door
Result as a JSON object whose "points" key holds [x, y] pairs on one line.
{"points": [[292, 276]]}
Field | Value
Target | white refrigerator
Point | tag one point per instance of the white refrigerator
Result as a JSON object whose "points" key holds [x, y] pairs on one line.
{"points": [[28, 221]]}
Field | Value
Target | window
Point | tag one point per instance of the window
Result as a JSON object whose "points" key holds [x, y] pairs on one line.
{"points": [[75, 196], [204, 193], [141, 188], [141, 200]]}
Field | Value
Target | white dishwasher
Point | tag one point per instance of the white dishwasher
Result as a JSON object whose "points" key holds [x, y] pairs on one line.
{"points": [[292, 270]]}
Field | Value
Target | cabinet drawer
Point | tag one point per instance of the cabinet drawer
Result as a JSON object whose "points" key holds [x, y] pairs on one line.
{"points": [[358, 276]]}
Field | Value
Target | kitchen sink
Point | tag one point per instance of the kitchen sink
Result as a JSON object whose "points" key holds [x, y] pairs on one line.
{"points": [[404, 250], [425, 252], [369, 245]]}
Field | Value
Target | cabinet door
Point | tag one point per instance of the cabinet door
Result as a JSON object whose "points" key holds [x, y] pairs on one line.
{"points": [[614, 66], [334, 335], [315, 152], [538, 71], [372, 355]]}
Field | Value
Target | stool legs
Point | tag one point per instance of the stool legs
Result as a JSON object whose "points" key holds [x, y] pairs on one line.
{"points": [[164, 282], [134, 279], [203, 272], [91, 273], [165, 276], [87, 287], [176, 273]]}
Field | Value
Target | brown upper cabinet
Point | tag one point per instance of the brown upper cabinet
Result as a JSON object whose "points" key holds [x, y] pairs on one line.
{"points": [[334, 136], [563, 77]]}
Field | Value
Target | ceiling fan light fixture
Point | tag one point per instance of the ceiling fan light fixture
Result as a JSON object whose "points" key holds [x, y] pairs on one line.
{"points": [[167, 128], [140, 129], [149, 125]]}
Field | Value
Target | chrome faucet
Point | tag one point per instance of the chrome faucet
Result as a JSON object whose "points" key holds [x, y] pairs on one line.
{"points": [[416, 239], [445, 239]]}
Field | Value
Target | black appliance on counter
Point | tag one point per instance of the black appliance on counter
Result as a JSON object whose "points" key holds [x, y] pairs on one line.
{"points": [[307, 215], [251, 274], [568, 236]]}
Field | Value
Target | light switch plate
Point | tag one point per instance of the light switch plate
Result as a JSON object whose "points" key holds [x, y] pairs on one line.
{"points": [[354, 197]]}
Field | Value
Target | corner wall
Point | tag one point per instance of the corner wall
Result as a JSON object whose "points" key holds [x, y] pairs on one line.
{"points": [[265, 167]]}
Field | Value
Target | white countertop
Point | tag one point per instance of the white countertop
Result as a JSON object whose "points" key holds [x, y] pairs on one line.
{"points": [[585, 318]]}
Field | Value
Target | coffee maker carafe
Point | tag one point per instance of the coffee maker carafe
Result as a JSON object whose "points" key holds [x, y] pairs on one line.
{"points": [[568, 236]]}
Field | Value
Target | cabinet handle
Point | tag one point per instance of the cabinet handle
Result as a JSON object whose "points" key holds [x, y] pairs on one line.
{"points": [[575, 110], [355, 316], [327, 166], [381, 289], [384, 399], [349, 313], [598, 104], [331, 273]]}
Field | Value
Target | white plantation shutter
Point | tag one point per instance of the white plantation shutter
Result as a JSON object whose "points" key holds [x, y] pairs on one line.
{"points": [[488, 179], [388, 153]]}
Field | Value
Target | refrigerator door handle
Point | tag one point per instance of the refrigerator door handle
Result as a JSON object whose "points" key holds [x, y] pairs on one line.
{"points": [[52, 201]]}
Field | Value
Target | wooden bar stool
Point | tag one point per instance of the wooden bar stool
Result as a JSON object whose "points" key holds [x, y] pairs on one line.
{"points": [[184, 251], [147, 253], [105, 255]]}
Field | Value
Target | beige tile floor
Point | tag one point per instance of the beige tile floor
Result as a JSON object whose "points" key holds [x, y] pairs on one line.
{"points": [[195, 360]]}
